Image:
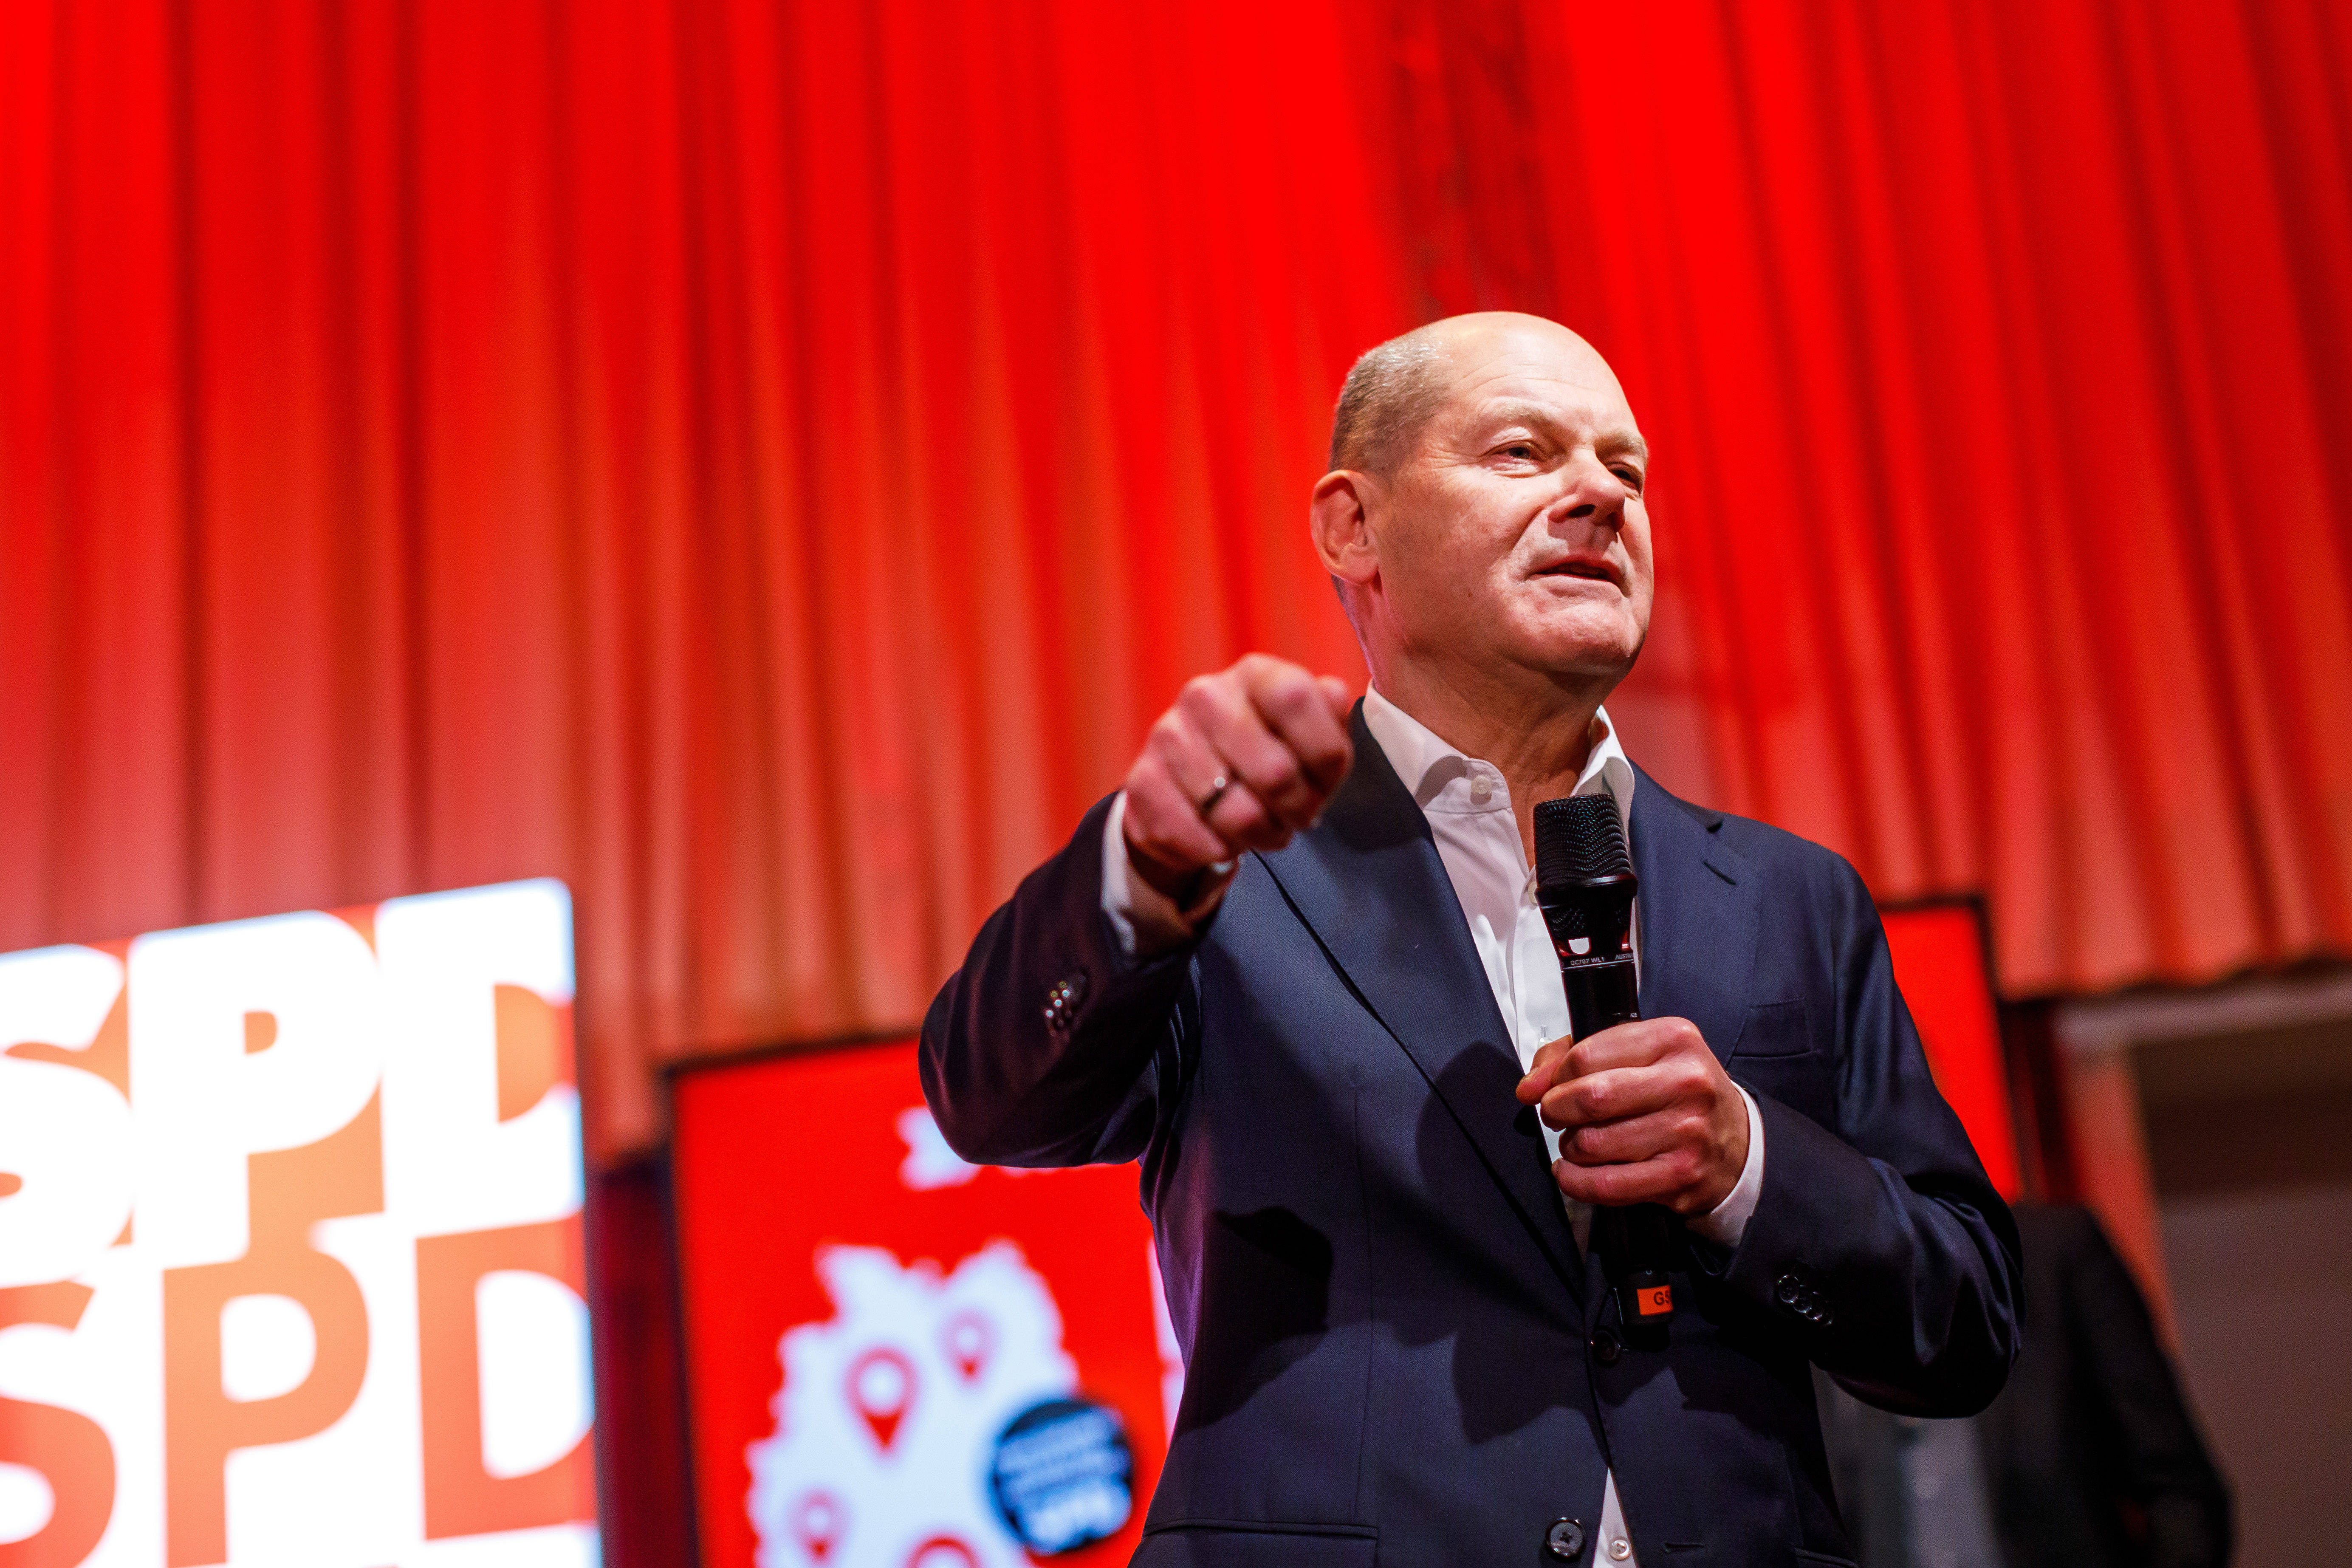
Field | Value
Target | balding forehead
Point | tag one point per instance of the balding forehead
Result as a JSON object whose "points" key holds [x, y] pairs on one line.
{"points": [[1395, 389], [1527, 360], [1528, 344]]}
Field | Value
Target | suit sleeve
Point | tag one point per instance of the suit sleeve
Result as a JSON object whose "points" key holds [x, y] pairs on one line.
{"points": [[2161, 1460], [1879, 1242], [1050, 1045]]}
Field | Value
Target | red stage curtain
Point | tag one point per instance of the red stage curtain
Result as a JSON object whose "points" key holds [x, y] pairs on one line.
{"points": [[765, 463]]}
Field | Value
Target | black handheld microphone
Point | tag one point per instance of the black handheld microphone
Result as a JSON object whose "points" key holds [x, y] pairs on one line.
{"points": [[1585, 885]]}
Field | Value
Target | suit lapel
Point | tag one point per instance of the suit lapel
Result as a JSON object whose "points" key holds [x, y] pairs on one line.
{"points": [[1369, 885], [1696, 917]]}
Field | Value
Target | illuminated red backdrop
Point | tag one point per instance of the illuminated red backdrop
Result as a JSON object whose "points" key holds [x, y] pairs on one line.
{"points": [[764, 463]]}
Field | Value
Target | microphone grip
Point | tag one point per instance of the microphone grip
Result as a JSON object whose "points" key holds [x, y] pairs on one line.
{"points": [[1600, 996], [1634, 1241]]}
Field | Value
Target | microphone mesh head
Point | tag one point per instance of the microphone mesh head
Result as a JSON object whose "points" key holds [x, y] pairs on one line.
{"points": [[1579, 839]]}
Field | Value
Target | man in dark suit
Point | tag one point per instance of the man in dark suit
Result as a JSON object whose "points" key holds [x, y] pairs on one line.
{"points": [[2089, 1458], [1295, 967], [2093, 1457]]}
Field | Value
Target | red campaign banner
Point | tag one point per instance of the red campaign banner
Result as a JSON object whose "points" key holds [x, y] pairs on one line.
{"points": [[895, 1359]]}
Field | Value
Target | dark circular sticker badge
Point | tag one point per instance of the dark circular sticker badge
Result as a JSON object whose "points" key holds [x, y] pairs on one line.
{"points": [[1063, 1475]]}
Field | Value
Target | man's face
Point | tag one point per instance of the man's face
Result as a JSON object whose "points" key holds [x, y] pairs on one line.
{"points": [[1515, 533]]}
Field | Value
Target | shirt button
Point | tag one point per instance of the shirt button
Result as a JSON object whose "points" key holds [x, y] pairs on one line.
{"points": [[1620, 1549], [1481, 791]]}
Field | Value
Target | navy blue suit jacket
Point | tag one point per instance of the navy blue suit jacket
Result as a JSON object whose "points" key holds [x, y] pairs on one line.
{"points": [[1396, 1351]]}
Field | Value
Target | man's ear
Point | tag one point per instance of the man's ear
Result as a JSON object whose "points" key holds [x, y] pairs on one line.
{"points": [[1338, 516]]}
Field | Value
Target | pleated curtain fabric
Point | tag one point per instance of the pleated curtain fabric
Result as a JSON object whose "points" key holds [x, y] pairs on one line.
{"points": [[766, 463]]}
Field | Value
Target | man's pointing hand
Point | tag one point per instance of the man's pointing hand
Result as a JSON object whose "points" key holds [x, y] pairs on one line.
{"points": [[1243, 758]]}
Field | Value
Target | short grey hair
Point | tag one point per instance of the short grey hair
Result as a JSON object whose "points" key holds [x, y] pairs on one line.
{"points": [[1388, 397]]}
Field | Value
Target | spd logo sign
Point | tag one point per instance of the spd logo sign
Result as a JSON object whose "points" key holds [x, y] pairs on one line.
{"points": [[291, 1266]]}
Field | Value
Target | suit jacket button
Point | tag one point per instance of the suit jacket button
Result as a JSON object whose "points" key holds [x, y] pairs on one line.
{"points": [[1607, 1347], [1787, 1288], [1565, 1539], [1062, 1001]]}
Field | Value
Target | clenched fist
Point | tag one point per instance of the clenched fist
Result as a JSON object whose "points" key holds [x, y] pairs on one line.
{"points": [[1646, 1115], [1242, 760]]}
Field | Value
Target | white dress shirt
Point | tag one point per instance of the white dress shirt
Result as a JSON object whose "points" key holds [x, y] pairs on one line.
{"points": [[1468, 808]]}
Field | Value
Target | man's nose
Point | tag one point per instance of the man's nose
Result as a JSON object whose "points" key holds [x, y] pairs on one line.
{"points": [[1592, 492]]}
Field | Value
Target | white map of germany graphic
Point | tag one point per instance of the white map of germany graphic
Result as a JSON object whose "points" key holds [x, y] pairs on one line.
{"points": [[890, 1412]]}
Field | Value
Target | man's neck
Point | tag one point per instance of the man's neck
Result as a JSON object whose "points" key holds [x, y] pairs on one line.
{"points": [[1539, 733]]}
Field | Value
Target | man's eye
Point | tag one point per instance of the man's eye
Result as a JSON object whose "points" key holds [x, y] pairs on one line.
{"points": [[1519, 449], [1632, 477]]}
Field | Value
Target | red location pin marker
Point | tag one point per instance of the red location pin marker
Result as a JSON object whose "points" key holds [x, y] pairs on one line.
{"points": [[881, 1387], [817, 1519], [966, 1339], [943, 1551]]}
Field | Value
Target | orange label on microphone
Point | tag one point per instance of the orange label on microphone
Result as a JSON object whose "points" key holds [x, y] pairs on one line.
{"points": [[1656, 1299]]}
